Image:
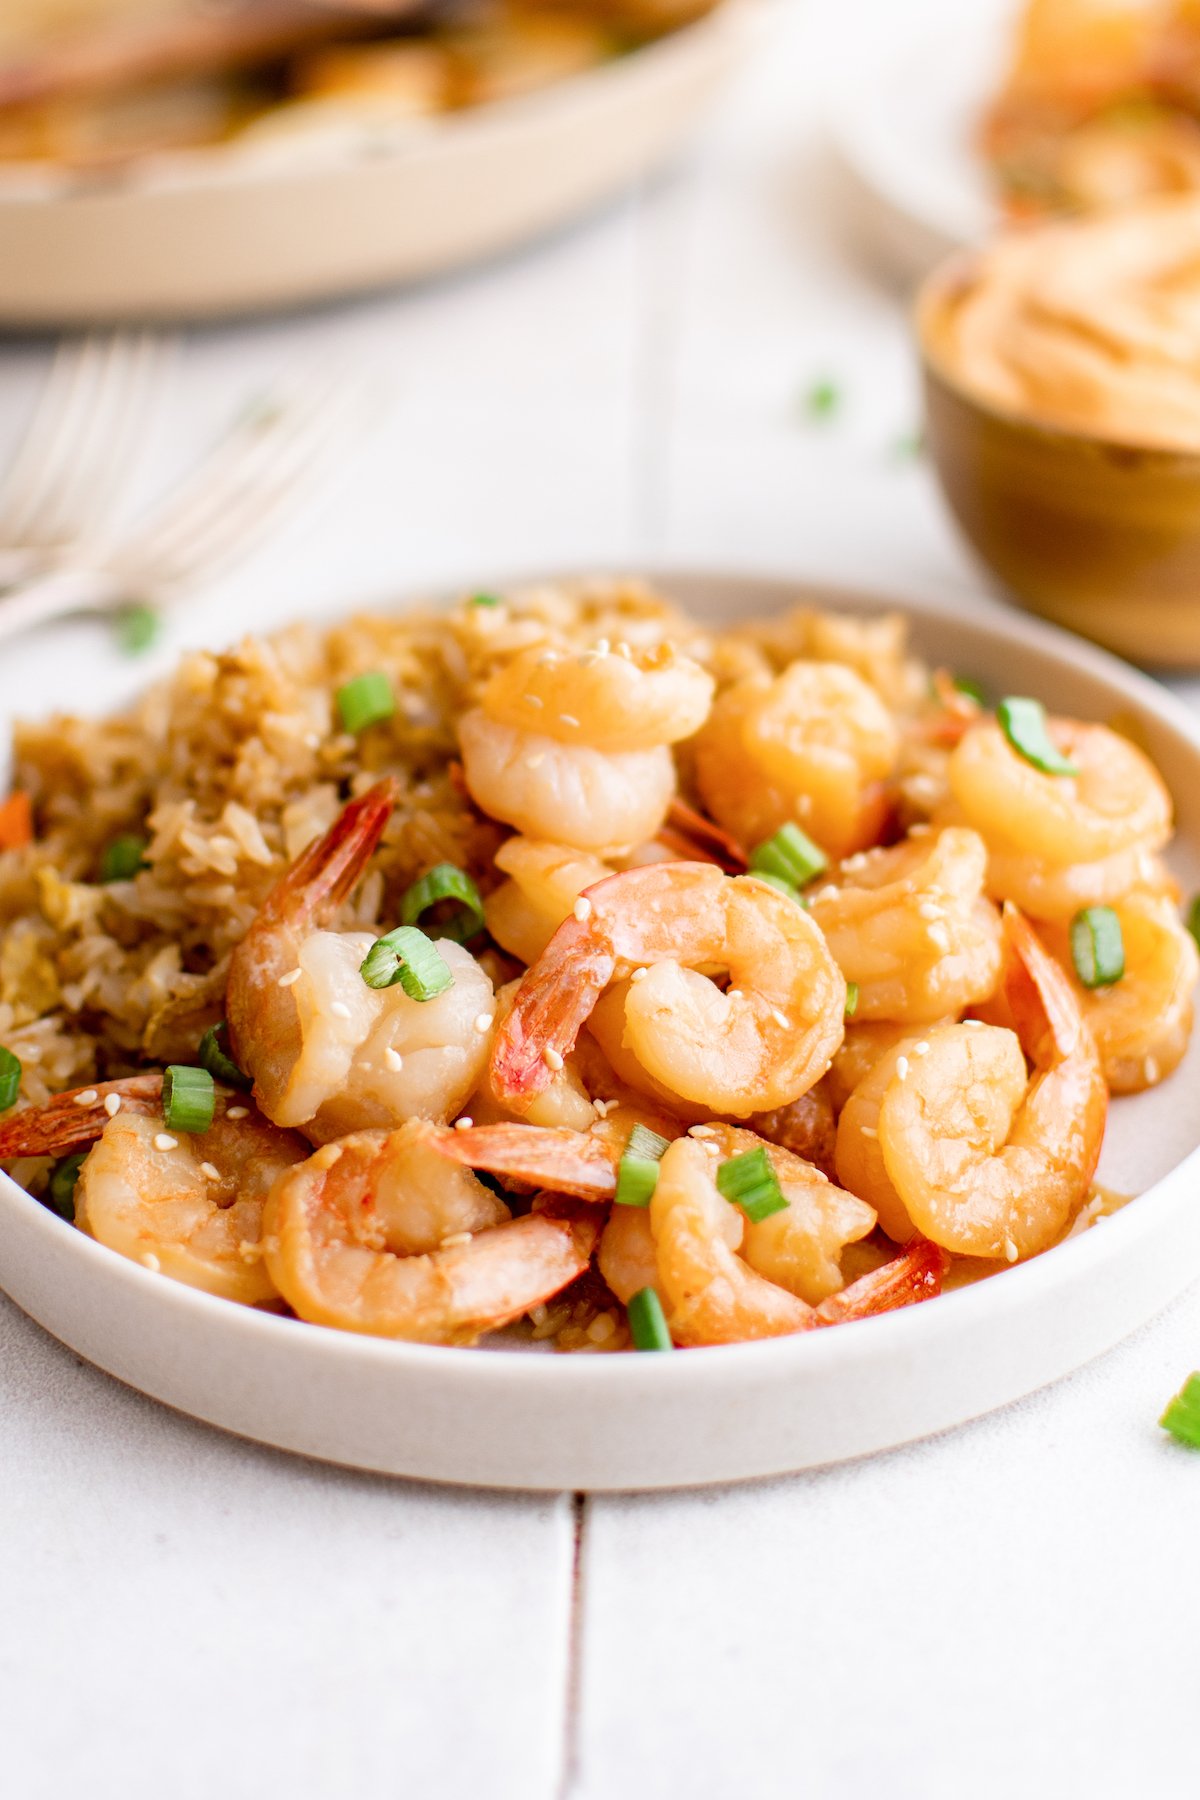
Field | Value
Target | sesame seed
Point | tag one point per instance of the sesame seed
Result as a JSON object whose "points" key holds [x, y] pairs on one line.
{"points": [[88, 1097], [291, 978], [869, 1131], [602, 646], [780, 1018], [583, 908], [238, 1112], [622, 649], [209, 1173], [902, 1067], [149, 1261], [1010, 1250], [534, 700], [828, 892], [393, 1059], [711, 1149], [164, 1141], [339, 1009], [919, 830], [483, 1022], [548, 659], [939, 937], [112, 1105], [733, 993], [701, 1131], [853, 863], [536, 760], [456, 1240], [567, 719], [921, 1049], [929, 909], [1150, 1068], [551, 1058], [463, 1124], [639, 975]]}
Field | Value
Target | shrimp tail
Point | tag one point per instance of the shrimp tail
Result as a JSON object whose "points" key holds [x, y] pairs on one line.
{"points": [[549, 1012], [690, 835], [75, 1118], [916, 1275], [1040, 997], [569, 1162], [324, 874]]}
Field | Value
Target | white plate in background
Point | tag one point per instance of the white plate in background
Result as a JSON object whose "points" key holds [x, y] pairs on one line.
{"points": [[699, 1416]]}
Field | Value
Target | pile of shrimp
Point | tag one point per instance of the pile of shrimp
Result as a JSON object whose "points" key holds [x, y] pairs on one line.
{"points": [[900, 1028]]}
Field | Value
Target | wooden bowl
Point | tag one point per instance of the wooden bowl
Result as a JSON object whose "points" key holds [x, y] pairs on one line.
{"points": [[1101, 537]]}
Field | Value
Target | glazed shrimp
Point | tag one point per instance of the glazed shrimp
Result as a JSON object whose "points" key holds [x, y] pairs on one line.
{"points": [[576, 749], [1142, 1023], [545, 880], [327, 1053], [760, 1045], [813, 746], [951, 1136], [909, 925], [338, 1239], [564, 1102], [190, 1206]]}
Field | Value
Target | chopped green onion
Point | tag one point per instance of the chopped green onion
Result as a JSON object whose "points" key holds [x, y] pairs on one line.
{"points": [[137, 629], [822, 399], [637, 1171], [1193, 918], [974, 690], [406, 955], [750, 1182], [1182, 1415], [1023, 722], [851, 999], [790, 855], [213, 1058], [188, 1098], [785, 887], [909, 446], [647, 1321], [123, 858], [367, 700], [1097, 947], [485, 600], [60, 1196], [446, 882], [10, 1078]]}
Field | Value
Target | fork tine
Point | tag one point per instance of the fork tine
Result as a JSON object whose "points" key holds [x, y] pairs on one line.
{"points": [[108, 438], [50, 437]]}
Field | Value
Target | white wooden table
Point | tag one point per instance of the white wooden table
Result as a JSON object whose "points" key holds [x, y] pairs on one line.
{"points": [[1009, 1609]]}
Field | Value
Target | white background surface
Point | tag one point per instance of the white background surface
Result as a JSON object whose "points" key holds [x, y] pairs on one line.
{"points": [[1009, 1609]]}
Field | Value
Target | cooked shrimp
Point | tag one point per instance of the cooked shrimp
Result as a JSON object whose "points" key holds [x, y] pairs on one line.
{"points": [[759, 1045], [1142, 1023], [329, 1054], [188, 1205], [813, 746], [1057, 891], [910, 926], [951, 1136], [524, 912], [565, 1102], [338, 1230], [580, 1163], [712, 1295], [862, 1047], [576, 749]]}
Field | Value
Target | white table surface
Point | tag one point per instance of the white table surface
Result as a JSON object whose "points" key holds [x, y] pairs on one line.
{"points": [[1008, 1609]]}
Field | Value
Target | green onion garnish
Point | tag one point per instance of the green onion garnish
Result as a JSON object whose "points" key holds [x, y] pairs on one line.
{"points": [[137, 629], [974, 690], [637, 1171], [10, 1078], [790, 855], [60, 1196], [1182, 1415], [785, 887], [367, 700], [851, 999], [406, 956], [189, 1099], [750, 1182], [1097, 947], [485, 600], [446, 882], [123, 858], [822, 399], [1193, 918], [647, 1321], [1023, 722], [213, 1058]]}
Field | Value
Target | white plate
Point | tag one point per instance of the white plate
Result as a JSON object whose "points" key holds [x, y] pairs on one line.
{"points": [[903, 116], [511, 1419], [249, 226]]}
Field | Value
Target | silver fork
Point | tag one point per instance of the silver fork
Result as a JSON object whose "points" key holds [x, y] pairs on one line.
{"points": [[216, 516], [80, 447]]}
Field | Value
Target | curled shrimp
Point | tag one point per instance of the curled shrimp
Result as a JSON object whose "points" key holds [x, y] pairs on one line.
{"points": [[951, 1137], [813, 746], [759, 1045], [1142, 1024], [909, 925], [1105, 818], [327, 1053], [576, 749], [564, 1102], [338, 1235], [545, 880], [188, 1205], [862, 1047]]}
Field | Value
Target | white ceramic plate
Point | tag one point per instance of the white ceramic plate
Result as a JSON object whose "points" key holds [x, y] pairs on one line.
{"points": [[282, 222], [903, 116], [512, 1419]]}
